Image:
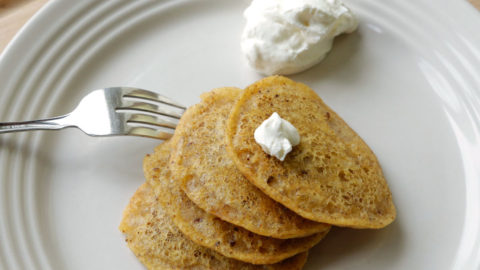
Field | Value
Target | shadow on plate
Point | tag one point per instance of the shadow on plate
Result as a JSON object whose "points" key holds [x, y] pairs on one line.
{"points": [[345, 49], [345, 247]]}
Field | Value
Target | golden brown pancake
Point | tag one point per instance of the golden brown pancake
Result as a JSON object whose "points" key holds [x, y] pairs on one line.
{"points": [[332, 176], [158, 244], [211, 180], [208, 230]]}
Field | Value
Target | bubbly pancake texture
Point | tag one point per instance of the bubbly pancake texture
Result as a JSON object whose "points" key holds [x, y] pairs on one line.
{"points": [[211, 180], [208, 230], [159, 244], [332, 176]]}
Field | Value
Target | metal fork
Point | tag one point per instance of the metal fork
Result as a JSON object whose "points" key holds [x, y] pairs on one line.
{"points": [[111, 112]]}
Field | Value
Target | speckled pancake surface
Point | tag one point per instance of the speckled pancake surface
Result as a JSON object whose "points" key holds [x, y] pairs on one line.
{"points": [[332, 176], [208, 230], [159, 244], [211, 180]]}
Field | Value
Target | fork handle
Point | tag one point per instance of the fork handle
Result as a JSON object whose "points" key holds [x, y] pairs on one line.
{"points": [[41, 124]]}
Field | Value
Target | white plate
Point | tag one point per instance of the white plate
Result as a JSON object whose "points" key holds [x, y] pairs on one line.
{"points": [[408, 81]]}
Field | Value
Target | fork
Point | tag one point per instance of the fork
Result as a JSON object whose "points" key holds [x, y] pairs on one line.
{"points": [[111, 112]]}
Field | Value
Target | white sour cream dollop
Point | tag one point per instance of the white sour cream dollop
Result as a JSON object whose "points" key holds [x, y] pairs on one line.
{"points": [[277, 136], [288, 36]]}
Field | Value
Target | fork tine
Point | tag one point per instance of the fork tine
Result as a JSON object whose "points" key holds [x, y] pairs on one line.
{"points": [[151, 96], [147, 108], [150, 120], [149, 132]]}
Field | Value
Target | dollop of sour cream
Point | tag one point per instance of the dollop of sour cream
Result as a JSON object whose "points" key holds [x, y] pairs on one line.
{"points": [[277, 136], [288, 36]]}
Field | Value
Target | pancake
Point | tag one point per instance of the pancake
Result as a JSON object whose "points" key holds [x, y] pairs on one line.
{"points": [[158, 244], [211, 180], [208, 230], [332, 176]]}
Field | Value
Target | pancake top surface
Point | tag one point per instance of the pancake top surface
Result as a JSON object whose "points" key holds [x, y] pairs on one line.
{"points": [[157, 242], [208, 230], [211, 180], [332, 176]]}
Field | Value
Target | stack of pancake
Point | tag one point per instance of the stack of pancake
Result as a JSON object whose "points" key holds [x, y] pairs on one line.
{"points": [[213, 199]]}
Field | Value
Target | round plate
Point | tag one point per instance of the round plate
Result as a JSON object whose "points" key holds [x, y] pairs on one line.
{"points": [[407, 81]]}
